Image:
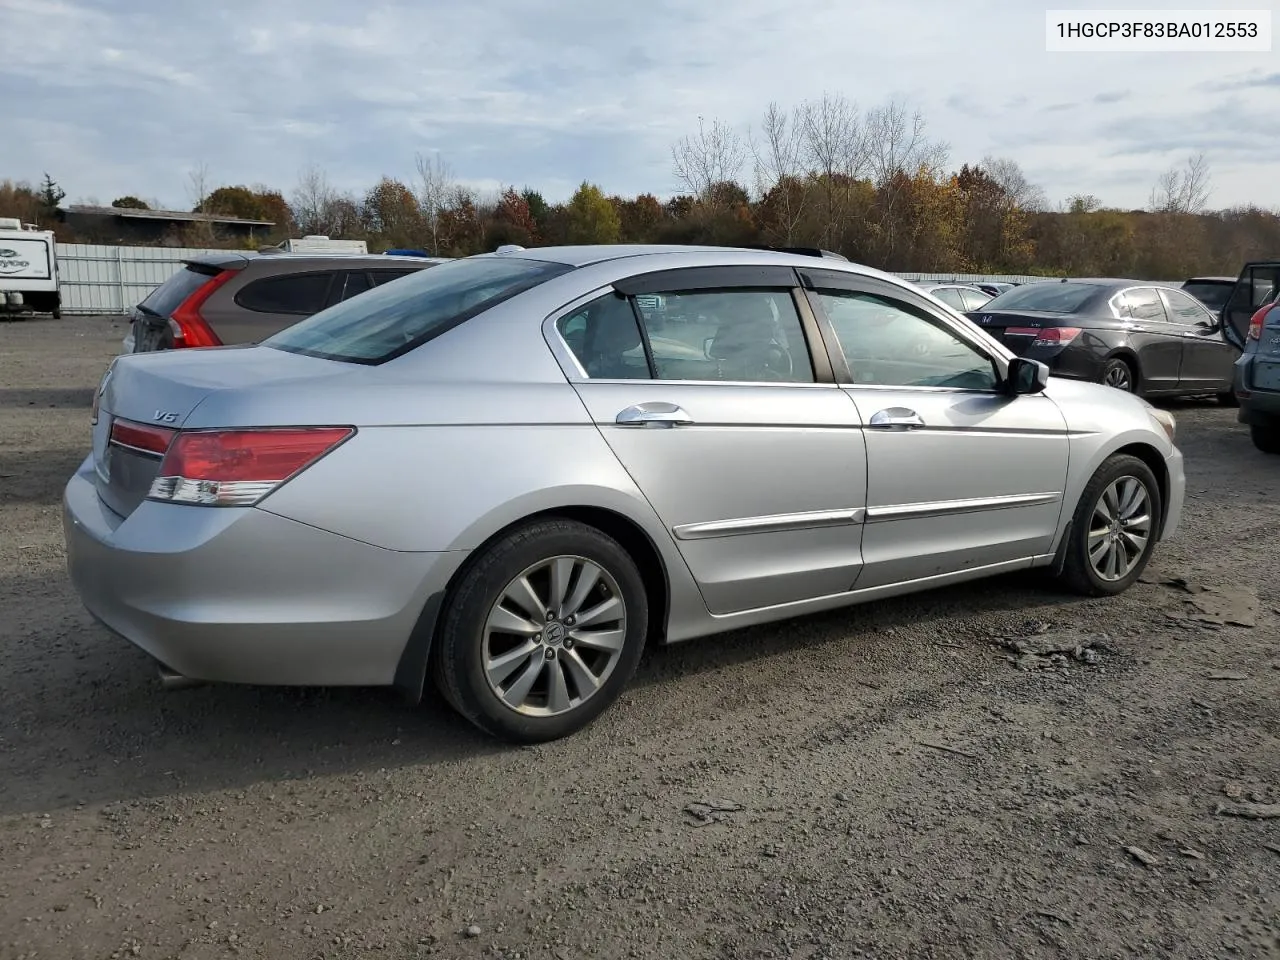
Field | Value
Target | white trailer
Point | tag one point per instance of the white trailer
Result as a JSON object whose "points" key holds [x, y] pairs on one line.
{"points": [[28, 269], [317, 243]]}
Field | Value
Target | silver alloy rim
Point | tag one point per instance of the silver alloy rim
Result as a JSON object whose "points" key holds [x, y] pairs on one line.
{"points": [[554, 636], [1120, 528], [1118, 377]]}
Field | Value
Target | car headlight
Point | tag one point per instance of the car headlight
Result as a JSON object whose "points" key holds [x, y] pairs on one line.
{"points": [[1167, 423]]}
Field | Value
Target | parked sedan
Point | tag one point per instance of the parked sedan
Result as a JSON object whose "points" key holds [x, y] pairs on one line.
{"points": [[1144, 338], [508, 474], [960, 297]]}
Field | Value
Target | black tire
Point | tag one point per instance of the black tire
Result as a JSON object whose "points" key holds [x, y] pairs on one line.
{"points": [[1078, 572], [1119, 374], [1229, 399], [459, 651], [1266, 439], [57, 313]]}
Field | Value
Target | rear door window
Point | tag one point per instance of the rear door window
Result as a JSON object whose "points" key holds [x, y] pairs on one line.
{"points": [[355, 284], [1145, 304], [974, 299], [302, 294], [951, 297]]}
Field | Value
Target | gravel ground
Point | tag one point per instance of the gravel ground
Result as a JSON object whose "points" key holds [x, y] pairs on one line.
{"points": [[899, 780]]}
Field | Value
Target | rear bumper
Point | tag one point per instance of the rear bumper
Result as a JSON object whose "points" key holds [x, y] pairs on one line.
{"points": [[240, 595], [1257, 407]]}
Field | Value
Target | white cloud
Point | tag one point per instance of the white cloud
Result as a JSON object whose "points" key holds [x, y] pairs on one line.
{"points": [[550, 94]]}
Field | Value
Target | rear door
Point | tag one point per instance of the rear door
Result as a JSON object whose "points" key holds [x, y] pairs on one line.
{"points": [[960, 475], [1156, 342], [1257, 284], [1207, 360], [267, 300], [711, 398]]}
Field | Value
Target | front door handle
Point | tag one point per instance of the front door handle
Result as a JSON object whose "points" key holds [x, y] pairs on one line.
{"points": [[896, 418], [654, 413]]}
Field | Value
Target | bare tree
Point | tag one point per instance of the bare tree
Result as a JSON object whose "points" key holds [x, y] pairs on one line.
{"points": [[313, 201], [198, 186], [779, 162], [715, 155], [834, 147], [1018, 190], [896, 142], [1183, 189], [435, 182]]}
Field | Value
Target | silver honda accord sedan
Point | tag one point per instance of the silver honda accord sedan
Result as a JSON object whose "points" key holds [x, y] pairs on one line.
{"points": [[511, 471]]}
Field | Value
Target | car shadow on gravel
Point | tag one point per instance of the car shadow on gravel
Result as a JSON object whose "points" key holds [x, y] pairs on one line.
{"points": [[37, 476], [15, 398], [88, 721], [1029, 596]]}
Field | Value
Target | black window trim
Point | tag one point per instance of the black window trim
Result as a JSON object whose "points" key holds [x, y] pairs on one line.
{"points": [[332, 272], [814, 281]]}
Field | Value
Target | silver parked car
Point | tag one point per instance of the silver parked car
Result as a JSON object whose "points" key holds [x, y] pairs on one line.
{"points": [[511, 470]]}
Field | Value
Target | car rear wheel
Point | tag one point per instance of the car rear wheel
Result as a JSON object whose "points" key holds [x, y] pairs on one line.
{"points": [[1117, 373], [543, 632], [1265, 438], [1114, 528]]}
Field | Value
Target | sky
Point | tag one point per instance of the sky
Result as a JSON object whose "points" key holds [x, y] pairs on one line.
{"points": [[116, 97]]}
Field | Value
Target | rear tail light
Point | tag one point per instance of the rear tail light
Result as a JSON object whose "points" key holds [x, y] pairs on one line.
{"points": [[188, 326], [237, 468], [1256, 322], [1045, 336], [142, 437]]}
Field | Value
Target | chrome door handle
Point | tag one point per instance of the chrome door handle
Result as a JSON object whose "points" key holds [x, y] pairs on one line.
{"points": [[896, 418], [654, 413]]}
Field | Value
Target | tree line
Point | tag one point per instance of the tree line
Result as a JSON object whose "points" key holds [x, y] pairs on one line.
{"points": [[873, 185]]}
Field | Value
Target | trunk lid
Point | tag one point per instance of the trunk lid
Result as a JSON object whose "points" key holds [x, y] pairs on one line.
{"points": [[161, 390], [997, 323]]}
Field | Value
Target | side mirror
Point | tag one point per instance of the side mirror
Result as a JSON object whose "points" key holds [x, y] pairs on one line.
{"points": [[1026, 376]]}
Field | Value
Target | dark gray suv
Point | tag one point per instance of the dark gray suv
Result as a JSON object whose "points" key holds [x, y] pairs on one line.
{"points": [[234, 297]]}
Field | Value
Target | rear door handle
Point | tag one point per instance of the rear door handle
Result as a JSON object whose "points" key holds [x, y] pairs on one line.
{"points": [[896, 418], [654, 413]]}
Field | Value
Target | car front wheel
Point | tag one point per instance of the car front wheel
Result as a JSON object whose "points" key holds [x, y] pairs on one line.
{"points": [[543, 632], [1113, 531]]}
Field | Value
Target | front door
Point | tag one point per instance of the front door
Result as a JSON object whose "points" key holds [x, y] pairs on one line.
{"points": [[1207, 359], [959, 474], [705, 388]]}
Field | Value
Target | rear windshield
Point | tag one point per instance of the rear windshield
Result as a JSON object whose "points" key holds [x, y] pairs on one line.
{"points": [[1212, 295], [394, 318], [1049, 297], [167, 297]]}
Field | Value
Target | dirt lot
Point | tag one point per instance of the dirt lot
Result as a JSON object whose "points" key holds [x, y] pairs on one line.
{"points": [[894, 784]]}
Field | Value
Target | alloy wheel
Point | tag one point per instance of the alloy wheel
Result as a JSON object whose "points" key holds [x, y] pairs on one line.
{"points": [[1118, 377], [554, 636], [1120, 528]]}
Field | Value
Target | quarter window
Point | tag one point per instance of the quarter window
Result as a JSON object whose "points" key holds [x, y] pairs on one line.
{"points": [[303, 294], [887, 343]]}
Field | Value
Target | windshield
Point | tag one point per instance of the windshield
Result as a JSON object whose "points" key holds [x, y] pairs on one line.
{"points": [[393, 319], [1049, 297], [1212, 295]]}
